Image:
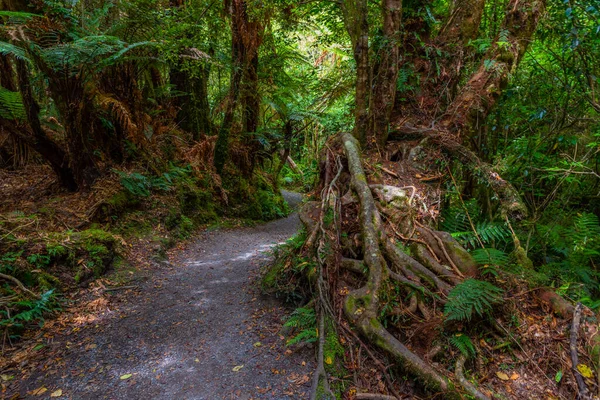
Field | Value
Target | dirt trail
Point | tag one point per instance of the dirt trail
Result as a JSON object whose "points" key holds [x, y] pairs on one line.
{"points": [[188, 331]]}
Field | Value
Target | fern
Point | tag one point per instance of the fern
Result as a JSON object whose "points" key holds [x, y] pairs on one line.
{"points": [[303, 320], [469, 297], [488, 232], [464, 344], [11, 105], [32, 311], [7, 49], [585, 234], [490, 256], [456, 219]]}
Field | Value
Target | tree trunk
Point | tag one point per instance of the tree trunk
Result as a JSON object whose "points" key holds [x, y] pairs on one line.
{"points": [[485, 86], [384, 85], [236, 10], [463, 23], [246, 37], [37, 139], [193, 113], [356, 22]]}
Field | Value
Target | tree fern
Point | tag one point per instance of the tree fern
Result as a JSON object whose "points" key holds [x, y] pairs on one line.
{"points": [[9, 49], [471, 297]]}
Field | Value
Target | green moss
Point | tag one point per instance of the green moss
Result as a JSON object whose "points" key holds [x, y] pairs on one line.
{"points": [[333, 356], [119, 203]]}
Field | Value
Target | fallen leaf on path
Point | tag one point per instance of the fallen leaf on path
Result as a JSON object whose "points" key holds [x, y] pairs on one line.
{"points": [[514, 376], [257, 344], [125, 377], [39, 391], [237, 368], [56, 393], [585, 371], [502, 376]]}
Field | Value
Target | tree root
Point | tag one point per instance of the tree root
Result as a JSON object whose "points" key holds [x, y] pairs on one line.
{"points": [[19, 284], [436, 264], [320, 375], [361, 305], [510, 201], [464, 382]]}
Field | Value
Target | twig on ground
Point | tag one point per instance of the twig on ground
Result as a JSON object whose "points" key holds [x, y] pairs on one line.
{"points": [[583, 390]]}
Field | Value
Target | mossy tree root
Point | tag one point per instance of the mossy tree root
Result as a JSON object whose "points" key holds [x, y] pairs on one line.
{"points": [[361, 305], [435, 265]]}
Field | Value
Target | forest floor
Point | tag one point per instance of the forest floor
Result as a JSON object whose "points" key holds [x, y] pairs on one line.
{"points": [[195, 327]]}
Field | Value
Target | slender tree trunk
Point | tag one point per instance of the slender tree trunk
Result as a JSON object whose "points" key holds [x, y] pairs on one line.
{"points": [[356, 22], [250, 97], [79, 144], [384, 85], [237, 61]]}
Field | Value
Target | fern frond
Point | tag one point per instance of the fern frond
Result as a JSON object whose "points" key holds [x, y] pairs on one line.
{"points": [[8, 49], [303, 320], [490, 256], [471, 297], [11, 105], [464, 344], [119, 111], [488, 232]]}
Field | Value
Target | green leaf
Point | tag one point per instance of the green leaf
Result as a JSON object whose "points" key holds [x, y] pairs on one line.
{"points": [[558, 376]]}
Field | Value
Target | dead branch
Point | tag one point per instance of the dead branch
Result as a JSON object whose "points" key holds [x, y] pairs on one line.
{"points": [[583, 390], [19, 284]]}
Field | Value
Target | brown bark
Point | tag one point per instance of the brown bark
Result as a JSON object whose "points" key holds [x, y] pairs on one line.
{"points": [[485, 86], [237, 60], [463, 23], [246, 37], [384, 83], [355, 19], [193, 113], [7, 80]]}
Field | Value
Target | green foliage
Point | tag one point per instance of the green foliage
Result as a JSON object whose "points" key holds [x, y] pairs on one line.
{"points": [[304, 323], [464, 344], [27, 312], [471, 297], [488, 233], [11, 105], [573, 251], [139, 185], [490, 256]]}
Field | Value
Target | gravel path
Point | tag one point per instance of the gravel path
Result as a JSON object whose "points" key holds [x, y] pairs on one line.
{"points": [[198, 329]]}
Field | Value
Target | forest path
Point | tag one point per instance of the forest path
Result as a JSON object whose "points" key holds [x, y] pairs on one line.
{"points": [[198, 329]]}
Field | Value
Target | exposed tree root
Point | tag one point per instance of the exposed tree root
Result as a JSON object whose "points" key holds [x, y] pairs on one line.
{"points": [[510, 200], [390, 267]]}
